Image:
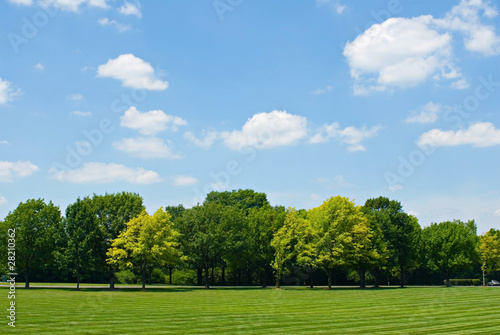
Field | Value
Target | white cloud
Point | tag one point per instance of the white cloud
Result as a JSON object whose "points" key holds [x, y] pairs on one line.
{"points": [[73, 5], [150, 123], [75, 97], [315, 197], [3, 201], [322, 90], [131, 9], [339, 8], [4, 142], [402, 52], [338, 181], [103, 173], [185, 180], [428, 114], [350, 135], [78, 113], [133, 72], [145, 147], [39, 67], [7, 91], [21, 2], [267, 130], [206, 142], [497, 212], [9, 170], [481, 134], [465, 18], [119, 26], [398, 52], [395, 187]]}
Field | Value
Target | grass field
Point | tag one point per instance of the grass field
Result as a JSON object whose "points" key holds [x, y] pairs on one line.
{"points": [[466, 310]]}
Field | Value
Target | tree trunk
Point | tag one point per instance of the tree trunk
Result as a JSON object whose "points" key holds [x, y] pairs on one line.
{"points": [[376, 275], [311, 279], [78, 280], [362, 276], [143, 277], [448, 279], [207, 285], [403, 276], [170, 269], [266, 274], [223, 275], [330, 275], [27, 283], [484, 277], [278, 280], [199, 275], [112, 279]]}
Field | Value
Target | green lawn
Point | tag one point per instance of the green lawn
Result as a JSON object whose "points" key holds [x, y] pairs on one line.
{"points": [[466, 310]]}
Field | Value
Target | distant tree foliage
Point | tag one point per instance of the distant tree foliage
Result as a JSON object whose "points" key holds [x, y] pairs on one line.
{"points": [[237, 238]]}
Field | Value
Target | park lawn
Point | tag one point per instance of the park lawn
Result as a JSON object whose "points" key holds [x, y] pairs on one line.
{"points": [[432, 310]]}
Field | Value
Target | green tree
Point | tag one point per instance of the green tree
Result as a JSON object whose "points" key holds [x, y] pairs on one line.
{"points": [[284, 243], [338, 222], [450, 246], [147, 240], [86, 239], [35, 223], [489, 249], [245, 199]]}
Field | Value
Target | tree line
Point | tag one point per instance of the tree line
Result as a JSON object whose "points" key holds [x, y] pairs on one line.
{"points": [[238, 238]]}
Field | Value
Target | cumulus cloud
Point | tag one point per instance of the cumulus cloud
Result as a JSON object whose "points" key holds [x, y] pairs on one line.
{"points": [[185, 180], [10, 170], [102, 173], [480, 134], [75, 97], [351, 136], [206, 142], [4, 142], [146, 147], [7, 91], [21, 2], [133, 72], [402, 52], [497, 212], [131, 9], [267, 130], [339, 8], [73, 5], [79, 113], [150, 123], [39, 67], [3, 201], [428, 114], [119, 26]]}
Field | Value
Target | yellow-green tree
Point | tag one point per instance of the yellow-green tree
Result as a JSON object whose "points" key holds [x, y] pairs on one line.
{"points": [[146, 241], [489, 249]]}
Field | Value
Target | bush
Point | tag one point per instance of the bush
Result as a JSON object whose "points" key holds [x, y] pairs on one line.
{"points": [[184, 277], [125, 277], [158, 277], [464, 282]]}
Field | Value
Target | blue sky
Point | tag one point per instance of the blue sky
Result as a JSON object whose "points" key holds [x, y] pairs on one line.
{"points": [[301, 100]]}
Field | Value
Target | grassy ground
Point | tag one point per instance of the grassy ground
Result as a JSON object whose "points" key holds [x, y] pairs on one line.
{"points": [[466, 310]]}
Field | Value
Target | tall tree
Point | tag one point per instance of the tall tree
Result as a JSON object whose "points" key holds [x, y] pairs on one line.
{"points": [[489, 250], [336, 221], [146, 241], [35, 223], [86, 239], [450, 246]]}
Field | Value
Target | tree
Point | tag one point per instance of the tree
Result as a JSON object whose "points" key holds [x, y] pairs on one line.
{"points": [[489, 250], [450, 246], [284, 243], [401, 233], [113, 212], [35, 224], [245, 199], [147, 240], [86, 239]]}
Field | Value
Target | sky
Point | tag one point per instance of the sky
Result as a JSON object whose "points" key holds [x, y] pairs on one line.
{"points": [[302, 100]]}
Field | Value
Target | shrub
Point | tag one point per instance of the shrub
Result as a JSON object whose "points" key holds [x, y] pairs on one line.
{"points": [[125, 277], [464, 282], [184, 277], [158, 277]]}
